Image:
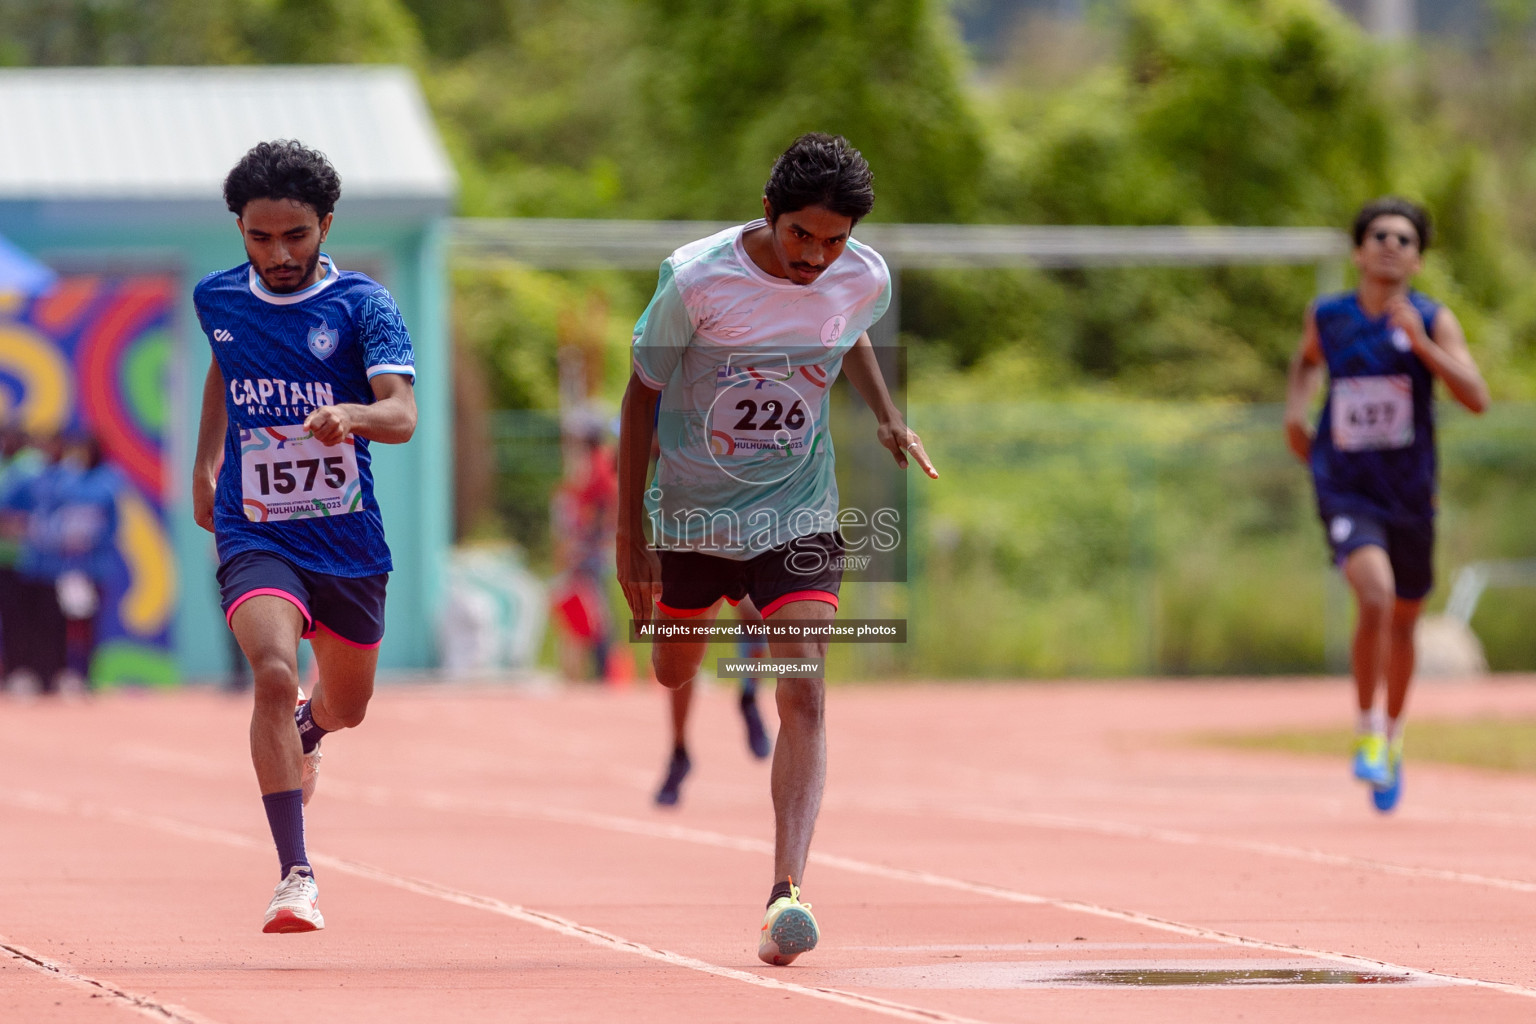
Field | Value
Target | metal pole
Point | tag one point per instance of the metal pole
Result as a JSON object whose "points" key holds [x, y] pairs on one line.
{"points": [[1390, 20]]}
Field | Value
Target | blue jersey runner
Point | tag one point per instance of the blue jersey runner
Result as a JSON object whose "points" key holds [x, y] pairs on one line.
{"points": [[282, 356], [1374, 452]]}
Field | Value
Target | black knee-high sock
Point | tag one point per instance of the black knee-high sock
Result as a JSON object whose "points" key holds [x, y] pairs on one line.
{"points": [[309, 732], [285, 816]]}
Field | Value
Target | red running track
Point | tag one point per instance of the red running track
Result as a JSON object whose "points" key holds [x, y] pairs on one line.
{"points": [[1001, 853]]}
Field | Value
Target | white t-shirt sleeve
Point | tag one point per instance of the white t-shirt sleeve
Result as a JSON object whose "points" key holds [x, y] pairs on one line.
{"points": [[883, 301], [662, 332], [882, 304]]}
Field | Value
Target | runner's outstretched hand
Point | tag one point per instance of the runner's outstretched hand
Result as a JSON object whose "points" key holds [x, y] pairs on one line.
{"points": [[901, 441], [639, 575]]}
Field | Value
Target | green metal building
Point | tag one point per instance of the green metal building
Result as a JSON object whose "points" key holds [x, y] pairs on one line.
{"points": [[117, 173]]}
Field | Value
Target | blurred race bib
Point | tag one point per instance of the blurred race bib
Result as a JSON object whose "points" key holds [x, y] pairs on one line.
{"points": [[1372, 413]]}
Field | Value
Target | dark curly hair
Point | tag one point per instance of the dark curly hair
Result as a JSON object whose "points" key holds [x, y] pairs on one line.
{"points": [[283, 169], [1392, 206], [821, 170]]}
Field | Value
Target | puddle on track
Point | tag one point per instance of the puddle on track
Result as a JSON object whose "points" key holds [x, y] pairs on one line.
{"points": [[1228, 972], [1175, 978]]}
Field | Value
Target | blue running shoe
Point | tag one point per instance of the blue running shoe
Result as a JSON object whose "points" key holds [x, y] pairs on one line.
{"points": [[677, 770], [1371, 759], [757, 737], [1385, 797]]}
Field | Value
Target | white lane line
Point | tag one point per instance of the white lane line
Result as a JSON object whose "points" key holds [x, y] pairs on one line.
{"points": [[183, 763], [444, 802], [538, 918], [1173, 836], [171, 760], [142, 1005], [1099, 826], [1152, 921], [597, 937], [1044, 947], [381, 796]]}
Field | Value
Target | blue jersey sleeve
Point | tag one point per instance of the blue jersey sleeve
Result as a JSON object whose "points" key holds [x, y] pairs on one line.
{"points": [[386, 342], [662, 332], [197, 305]]}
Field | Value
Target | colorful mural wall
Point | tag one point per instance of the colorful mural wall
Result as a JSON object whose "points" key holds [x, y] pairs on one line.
{"points": [[94, 354]]}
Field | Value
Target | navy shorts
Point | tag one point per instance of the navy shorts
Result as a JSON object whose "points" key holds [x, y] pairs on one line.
{"points": [[351, 610], [806, 569], [1410, 547]]}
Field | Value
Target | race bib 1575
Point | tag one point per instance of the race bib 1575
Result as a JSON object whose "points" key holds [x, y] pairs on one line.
{"points": [[285, 473]]}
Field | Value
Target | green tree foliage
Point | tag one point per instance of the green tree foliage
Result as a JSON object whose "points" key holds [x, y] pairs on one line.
{"points": [[1260, 112], [1485, 98], [89, 32], [1245, 112], [677, 108], [731, 84], [514, 321], [543, 118]]}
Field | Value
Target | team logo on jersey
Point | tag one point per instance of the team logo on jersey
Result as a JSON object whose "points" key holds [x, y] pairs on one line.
{"points": [[1340, 528], [833, 330], [1400, 340], [323, 341]]}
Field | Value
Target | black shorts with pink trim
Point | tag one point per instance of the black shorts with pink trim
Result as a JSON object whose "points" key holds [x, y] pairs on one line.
{"points": [[351, 610], [806, 569]]}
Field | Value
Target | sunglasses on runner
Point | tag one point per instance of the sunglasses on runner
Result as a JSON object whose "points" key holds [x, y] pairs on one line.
{"points": [[1406, 241]]}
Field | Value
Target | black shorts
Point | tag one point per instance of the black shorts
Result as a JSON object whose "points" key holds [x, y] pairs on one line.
{"points": [[806, 569], [351, 610], [1410, 547]]}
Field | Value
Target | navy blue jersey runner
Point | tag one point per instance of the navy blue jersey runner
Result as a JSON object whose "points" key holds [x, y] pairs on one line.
{"points": [[282, 356], [1374, 452]]}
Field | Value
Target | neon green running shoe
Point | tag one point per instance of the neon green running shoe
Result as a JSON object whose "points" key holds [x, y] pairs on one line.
{"points": [[1371, 759], [788, 930], [1385, 796]]}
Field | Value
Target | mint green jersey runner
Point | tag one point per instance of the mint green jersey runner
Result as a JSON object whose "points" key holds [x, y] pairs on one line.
{"points": [[745, 362]]}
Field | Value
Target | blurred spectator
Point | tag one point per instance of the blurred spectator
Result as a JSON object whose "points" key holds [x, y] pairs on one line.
{"points": [[67, 552], [36, 655], [584, 512], [83, 533], [19, 462]]}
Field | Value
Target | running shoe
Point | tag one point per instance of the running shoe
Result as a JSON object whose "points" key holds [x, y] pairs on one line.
{"points": [[1385, 796], [311, 777], [788, 930], [295, 906], [757, 737], [1371, 759], [677, 771]]}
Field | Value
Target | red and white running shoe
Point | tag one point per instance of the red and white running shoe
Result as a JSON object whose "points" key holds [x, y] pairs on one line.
{"points": [[311, 777], [295, 906]]}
